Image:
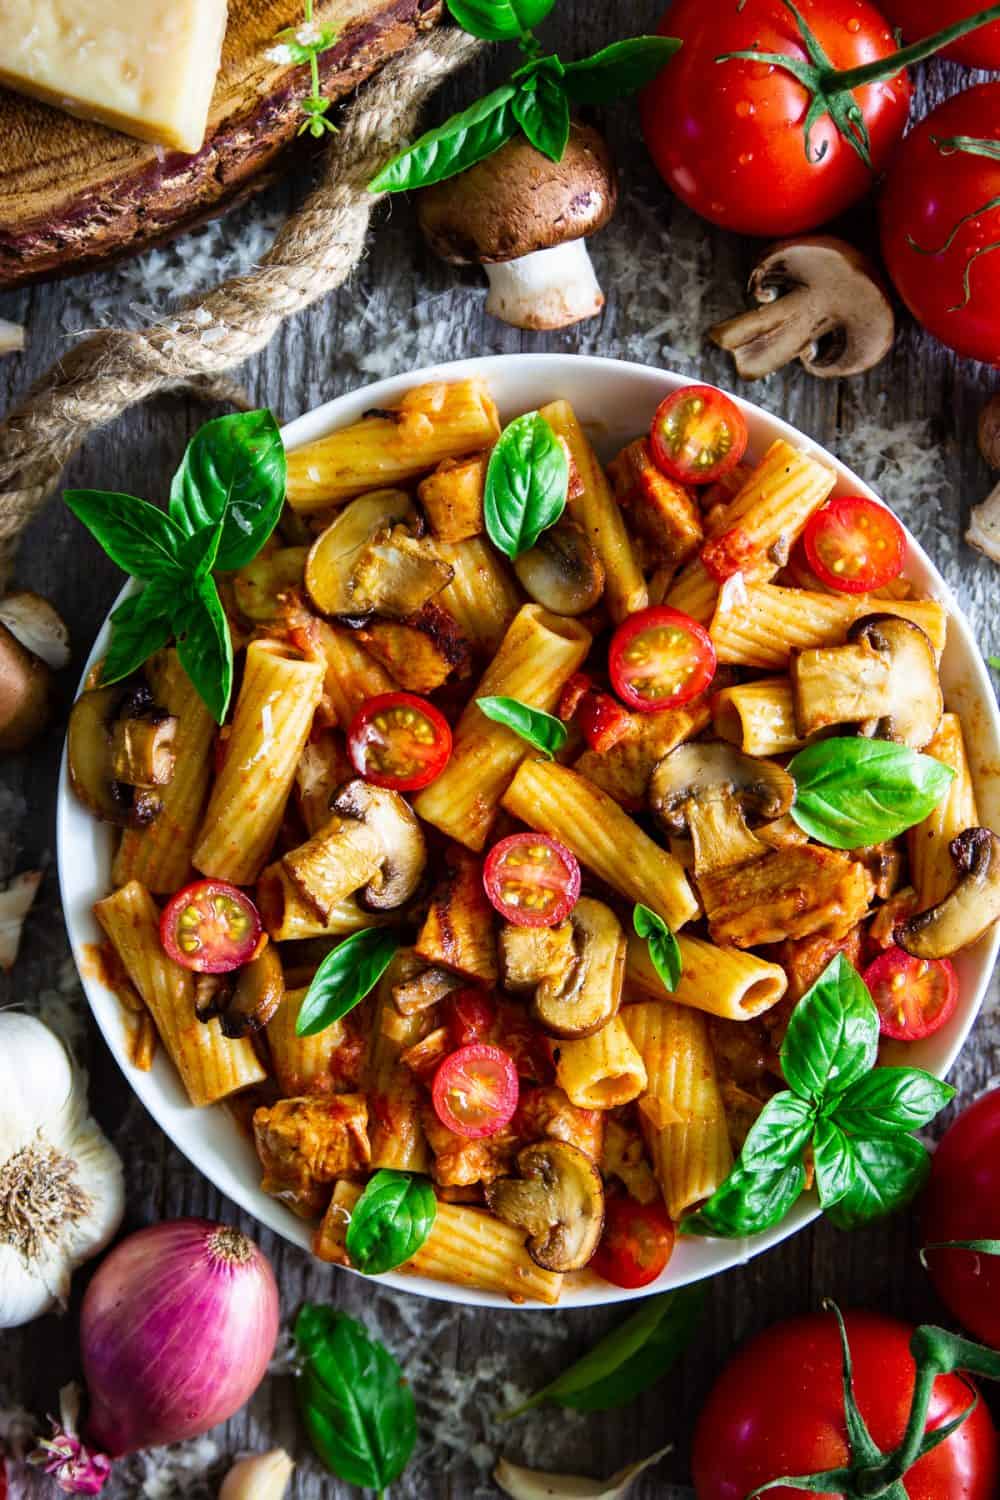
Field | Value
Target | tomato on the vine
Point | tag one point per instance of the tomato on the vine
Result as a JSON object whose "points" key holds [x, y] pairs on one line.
{"points": [[919, 18], [636, 1243], [962, 1202]]}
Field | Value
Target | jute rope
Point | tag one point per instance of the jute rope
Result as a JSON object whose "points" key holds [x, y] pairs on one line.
{"points": [[103, 376]]}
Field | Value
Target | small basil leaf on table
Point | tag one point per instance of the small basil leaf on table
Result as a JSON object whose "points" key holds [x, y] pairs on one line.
{"points": [[542, 110], [499, 20], [355, 1404], [543, 732], [459, 143], [347, 974], [390, 1221], [618, 70], [887, 1101], [232, 475], [138, 538], [832, 1036], [527, 482], [664, 949], [748, 1202], [205, 646], [852, 792], [886, 1175], [780, 1133], [140, 626]]}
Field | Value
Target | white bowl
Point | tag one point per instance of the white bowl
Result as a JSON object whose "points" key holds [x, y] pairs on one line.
{"points": [[615, 401]]}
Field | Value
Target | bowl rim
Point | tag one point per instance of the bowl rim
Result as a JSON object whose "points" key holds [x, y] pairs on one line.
{"points": [[711, 1257]]}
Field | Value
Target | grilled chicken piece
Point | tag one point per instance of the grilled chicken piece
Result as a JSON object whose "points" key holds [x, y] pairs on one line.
{"points": [[662, 514], [624, 770], [803, 960], [452, 498], [624, 1157], [304, 1145], [548, 1113], [793, 892], [399, 574], [421, 653], [459, 1162], [458, 932]]}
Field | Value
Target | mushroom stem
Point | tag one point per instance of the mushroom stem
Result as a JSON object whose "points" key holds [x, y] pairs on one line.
{"points": [[11, 337], [546, 289], [984, 526], [720, 835]]}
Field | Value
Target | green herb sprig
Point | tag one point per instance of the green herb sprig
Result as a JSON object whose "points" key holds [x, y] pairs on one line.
{"points": [[664, 949], [390, 1221], [347, 974], [527, 484], [858, 1118], [543, 732], [854, 791], [306, 44]]}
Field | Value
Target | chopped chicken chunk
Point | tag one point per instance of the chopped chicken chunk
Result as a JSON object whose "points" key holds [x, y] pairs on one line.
{"points": [[624, 1157], [304, 1145], [422, 652], [458, 932], [547, 1113], [624, 770], [459, 1162], [790, 893]]}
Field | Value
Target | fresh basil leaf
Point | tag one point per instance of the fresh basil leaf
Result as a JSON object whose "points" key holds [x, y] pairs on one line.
{"points": [[887, 1101], [233, 475], [542, 110], [205, 646], [198, 552], [499, 20], [527, 482], [356, 1406], [138, 538], [832, 1036], [887, 1174], [851, 792], [619, 70], [748, 1202], [347, 974], [630, 1359], [140, 626], [780, 1133], [390, 1221], [459, 143], [542, 731], [664, 949], [833, 1161]]}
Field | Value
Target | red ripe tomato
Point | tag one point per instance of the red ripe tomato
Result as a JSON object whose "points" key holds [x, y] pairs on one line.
{"points": [[211, 927], [475, 1091], [914, 996], [919, 18], [962, 1202], [698, 434], [470, 1016], [637, 1242], [660, 658], [854, 545], [601, 720], [778, 1408], [532, 880], [399, 740], [728, 137], [938, 228]]}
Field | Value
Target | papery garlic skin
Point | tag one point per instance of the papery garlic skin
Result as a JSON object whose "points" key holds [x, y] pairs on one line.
{"points": [[260, 1476], [62, 1191]]}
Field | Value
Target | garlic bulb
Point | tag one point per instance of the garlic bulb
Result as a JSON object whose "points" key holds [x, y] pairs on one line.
{"points": [[62, 1192], [532, 1484], [260, 1476]]}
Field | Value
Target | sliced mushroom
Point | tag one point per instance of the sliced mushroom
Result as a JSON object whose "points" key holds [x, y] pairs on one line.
{"points": [[398, 574], [91, 740], [11, 337], [142, 747], [558, 1200], [819, 301], [425, 990], [971, 909], [333, 559], [885, 680], [562, 572], [398, 837], [529, 955], [38, 626], [576, 968], [254, 999], [712, 790]]}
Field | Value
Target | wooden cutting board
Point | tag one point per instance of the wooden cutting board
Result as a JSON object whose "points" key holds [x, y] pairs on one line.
{"points": [[73, 194]]}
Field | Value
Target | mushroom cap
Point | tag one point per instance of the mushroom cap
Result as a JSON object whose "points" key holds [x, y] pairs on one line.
{"points": [[971, 908], [517, 201], [38, 625], [562, 571], [917, 703], [256, 996], [558, 1199], [90, 754], [699, 772], [25, 693], [399, 837], [330, 572], [583, 1001]]}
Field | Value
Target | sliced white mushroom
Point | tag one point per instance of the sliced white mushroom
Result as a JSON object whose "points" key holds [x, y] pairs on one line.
{"points": [[11, 337], [16, 900], [971, 908], [711, 790], [562, 572], [885, 680], [819, 301], [333, 558], [372, 845], [558, 1199], [115, 753], [38, 626], [575, 969], [532, 1484]]}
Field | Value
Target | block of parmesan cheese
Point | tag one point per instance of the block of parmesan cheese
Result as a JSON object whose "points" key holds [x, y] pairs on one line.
{"points": [[147, 67]]}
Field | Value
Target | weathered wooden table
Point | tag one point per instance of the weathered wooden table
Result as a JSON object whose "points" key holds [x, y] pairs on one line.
{"points": [[909, 427]]}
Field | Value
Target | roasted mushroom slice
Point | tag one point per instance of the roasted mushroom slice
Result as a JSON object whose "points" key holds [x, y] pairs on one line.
{"points": [[885, 680], [562, 572], [712, 790], [334, 557], [92, 736], [971, 909], [253, 1000], [529, 955], [398, 837], [397, 575], [576, 968], [559, 1200], [142, 742]]}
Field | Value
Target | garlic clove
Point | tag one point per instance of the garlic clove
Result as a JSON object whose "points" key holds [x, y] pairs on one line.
{"points": [[38, 626], [259, 1476], [11, 337], [16, 900], [531, 1484]]}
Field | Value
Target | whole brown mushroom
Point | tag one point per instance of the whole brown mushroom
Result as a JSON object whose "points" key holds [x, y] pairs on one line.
{"points": [[526, 219], [33, 643]]}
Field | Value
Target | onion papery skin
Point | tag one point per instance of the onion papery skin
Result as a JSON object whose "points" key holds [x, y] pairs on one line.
{"points": [[177, 1329]]}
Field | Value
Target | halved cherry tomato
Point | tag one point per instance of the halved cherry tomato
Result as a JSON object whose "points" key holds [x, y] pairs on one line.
{"points": [[637, 1242], [400, 741], [914, 996], [211, 927], [475, 1091], [660, 658], [854, 545], [532, 880], [698, 433], [470, 1015]]}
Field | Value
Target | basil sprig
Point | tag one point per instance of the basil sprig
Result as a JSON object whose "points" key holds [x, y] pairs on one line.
{"points": [[664, 949], [347, 974], [542, 731], [857, 1117], [854, 791], [527, 482], [499, 20], [225, 501], [355, 1404], [390, 1221]]}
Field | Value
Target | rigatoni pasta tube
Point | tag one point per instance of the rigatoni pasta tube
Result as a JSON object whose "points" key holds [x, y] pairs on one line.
{"points": [[482, 598], [302, 1064], [466, 1246], [601, 1071], [682, 1116], [211, 1066], [555, 800], [762, 625], [932, 868], [394, 1096], [274, 713], [430, 423], [720, 981], [537, 656], [759, 717], [596, 510], [159, 856], [352, 673]]}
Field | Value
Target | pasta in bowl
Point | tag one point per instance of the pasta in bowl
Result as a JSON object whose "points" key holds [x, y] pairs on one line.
{"points": [[470, 944]]}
